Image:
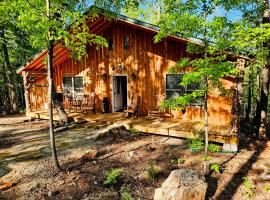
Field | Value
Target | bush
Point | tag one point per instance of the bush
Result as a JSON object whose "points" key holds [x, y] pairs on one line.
{"points": [[112, 176], [195, 144], [216, 168], [214, 148]]}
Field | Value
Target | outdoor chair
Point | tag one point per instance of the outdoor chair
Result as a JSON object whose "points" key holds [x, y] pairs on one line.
{"points": [[76, 103], [133, 108], [156, 111], [88, 103], [67, 102]]}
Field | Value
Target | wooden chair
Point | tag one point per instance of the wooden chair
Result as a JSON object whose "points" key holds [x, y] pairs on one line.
{"points": [[88, 103], [76, 104], [133, 108], [156, 111], [67, 101]]}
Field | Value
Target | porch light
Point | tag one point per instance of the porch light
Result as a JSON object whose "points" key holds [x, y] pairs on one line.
{"points": [[133, 76], [104, 76]]}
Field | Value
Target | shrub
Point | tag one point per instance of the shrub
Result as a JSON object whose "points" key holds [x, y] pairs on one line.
{"points": [[214, 148], [195, 144], [112, 176], [216, 168]]}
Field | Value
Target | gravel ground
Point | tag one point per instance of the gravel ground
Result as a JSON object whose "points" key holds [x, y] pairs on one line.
{"points": [[25, 152]]}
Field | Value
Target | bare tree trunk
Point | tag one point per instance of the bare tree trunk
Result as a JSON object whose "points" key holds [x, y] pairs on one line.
{"points": [[26, 93], [249, 93], [205, 99], [60, 110], [265, 77], [257, 117], [50, 89], [5, 94], [10, 76], [206, 127]]}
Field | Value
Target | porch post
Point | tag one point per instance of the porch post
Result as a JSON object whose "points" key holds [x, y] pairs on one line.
{"points": [[26, 92], [236, 106]]}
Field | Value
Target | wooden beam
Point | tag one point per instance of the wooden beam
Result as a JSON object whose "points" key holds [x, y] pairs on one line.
{"points": [[36, 73]]}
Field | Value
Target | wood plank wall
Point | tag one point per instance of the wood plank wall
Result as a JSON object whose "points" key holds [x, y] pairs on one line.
{"points": [[150, 63]]}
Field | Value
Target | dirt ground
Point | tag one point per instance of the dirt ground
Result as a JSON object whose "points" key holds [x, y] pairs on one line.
{"points": [[25, 161]]}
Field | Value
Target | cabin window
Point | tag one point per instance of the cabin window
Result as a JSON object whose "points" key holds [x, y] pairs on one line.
{"points": [[73, 85], [126, 42], [110, 44], [174, 90]]}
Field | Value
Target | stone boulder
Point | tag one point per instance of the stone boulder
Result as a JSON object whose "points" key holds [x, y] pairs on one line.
{"points": [[182, 184]]}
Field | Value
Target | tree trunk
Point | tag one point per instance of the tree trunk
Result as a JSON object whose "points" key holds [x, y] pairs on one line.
{"points": [[50, 89], [5, 94], [257, 117], [265, 77], [10, 76], [60, 110], [26, 92], [249, 93]]}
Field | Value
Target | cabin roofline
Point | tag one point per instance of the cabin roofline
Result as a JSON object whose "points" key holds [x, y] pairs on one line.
{"points": [[132, 22]]}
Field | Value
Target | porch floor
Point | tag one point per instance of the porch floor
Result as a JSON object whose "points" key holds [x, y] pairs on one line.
{"points": [[168, 127]]}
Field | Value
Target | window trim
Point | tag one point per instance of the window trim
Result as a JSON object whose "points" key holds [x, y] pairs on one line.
{"points": [[73, 83], [179, 90]]}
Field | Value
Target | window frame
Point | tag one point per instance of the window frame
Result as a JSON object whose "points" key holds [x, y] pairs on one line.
{"points": [[185, 91], [73, 92], [126, 42]]}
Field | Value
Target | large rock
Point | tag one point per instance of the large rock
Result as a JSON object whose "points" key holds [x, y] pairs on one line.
{"points": [[182, 184]]}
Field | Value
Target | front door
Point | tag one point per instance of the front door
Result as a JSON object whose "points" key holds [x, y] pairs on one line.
{"points": [[119, 93]]}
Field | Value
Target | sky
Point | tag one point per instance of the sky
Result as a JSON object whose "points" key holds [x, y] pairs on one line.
{"points": [[232, 15]]}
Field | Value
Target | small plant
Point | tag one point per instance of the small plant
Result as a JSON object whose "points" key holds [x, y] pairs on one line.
{"points": [[133, 130], [195, 144], [206, 158], [216, 168], [249, 186], [126, 194], [214, 148], [266, 188], [152, 170], [178, 161], [112, 176]]}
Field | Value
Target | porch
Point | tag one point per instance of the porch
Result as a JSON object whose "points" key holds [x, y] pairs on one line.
{"points": [[168, 127]]}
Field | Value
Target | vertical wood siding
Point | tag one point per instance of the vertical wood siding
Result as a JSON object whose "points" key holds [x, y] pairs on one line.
{"points": [[149, 61]]}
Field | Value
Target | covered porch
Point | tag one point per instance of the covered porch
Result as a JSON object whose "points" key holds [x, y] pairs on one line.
{"points": [[168, 126]]}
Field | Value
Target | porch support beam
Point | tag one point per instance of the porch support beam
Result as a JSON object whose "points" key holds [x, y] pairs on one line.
{"points": [[26, 92]]}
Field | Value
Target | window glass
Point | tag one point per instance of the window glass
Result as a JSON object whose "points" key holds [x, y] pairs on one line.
{"points": [[174, 89], [72, 85], [110, 44], [126, 42], [173, 80]]}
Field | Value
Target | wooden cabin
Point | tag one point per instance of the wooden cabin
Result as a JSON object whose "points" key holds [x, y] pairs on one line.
{"points": [[131, 64]]}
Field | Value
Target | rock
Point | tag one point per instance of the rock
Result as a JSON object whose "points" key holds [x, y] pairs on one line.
{"points": [[131, 153], [182, 184]]}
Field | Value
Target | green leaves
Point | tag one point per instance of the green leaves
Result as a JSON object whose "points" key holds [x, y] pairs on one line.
{"points": [[67, 24]]}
